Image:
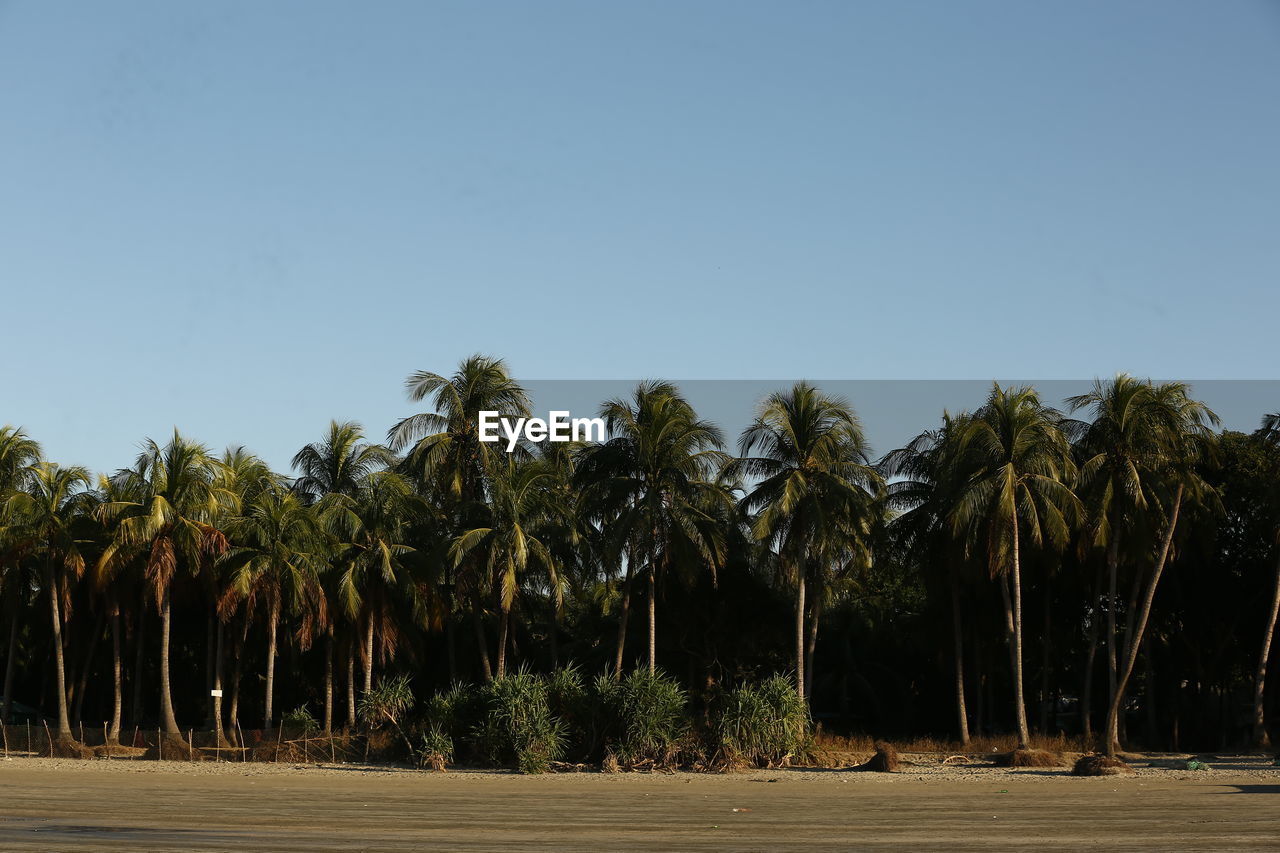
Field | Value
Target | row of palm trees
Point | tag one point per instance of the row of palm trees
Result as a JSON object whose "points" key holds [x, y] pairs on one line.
{"points": [[370, 548]]}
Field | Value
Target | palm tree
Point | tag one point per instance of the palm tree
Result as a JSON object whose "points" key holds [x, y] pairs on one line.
{"points": [[815, 494], [337, 465], [656, 482], [1120, 453], [445, 455], [925, 479], [18, 453], [374, 582], [279, 547], [1182, 434], [54, 500], [172, 518], [1269, 435], [1017, 470], [1141, 442], [509, 541]]}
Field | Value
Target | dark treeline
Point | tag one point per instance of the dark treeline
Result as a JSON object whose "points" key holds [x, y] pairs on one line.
{"points": [[1107, 567]]}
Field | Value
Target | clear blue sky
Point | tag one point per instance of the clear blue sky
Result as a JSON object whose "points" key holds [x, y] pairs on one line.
{"points": [[245, 218]]}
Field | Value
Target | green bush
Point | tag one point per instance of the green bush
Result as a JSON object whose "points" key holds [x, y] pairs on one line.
{"points": [[299, 720], [516, 723], [436, 750], [644, 716], [763, 724]]}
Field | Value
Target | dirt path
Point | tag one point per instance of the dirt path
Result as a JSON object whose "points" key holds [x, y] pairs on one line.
{"points": [[50, 805]]}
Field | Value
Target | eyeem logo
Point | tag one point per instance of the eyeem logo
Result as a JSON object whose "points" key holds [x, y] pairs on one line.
{"points": [[557, 427]]}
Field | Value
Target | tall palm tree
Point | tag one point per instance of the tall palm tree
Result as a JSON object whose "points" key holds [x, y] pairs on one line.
{"points": [[1181, 439], [509, 541], [375, 581], [925, 477], [815, 493], [1269, 435], [172, 518], [337, 465], [18, 453], [444, 450], [1018, 469], [1120, 451], [656, 480], [277, 553], [54, 500], [1142, 437]]}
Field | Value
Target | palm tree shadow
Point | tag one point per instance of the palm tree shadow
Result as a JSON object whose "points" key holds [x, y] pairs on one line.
{"points": [[1253, 789]]}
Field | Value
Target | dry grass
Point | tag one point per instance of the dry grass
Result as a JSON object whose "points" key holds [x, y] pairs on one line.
{"points": [[1029, 758], [861, 744], [1100, 765], [885, 759], [115, 750]]}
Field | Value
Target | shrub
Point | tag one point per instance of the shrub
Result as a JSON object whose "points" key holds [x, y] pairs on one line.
{"points": [[644, 716], [516, 724], [299, 720], [763, 724], [436, 751]]}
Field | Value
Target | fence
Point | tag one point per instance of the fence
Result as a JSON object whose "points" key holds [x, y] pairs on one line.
{"points": [[295, 746]]}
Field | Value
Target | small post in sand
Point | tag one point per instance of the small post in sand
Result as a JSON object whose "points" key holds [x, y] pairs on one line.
{"points": [[49, 736]]}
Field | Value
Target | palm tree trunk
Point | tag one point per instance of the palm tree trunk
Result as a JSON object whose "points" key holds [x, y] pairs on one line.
{"points": [[139, 658], [555, 629], [653, 619], [622, 619], [957, 639], [10, 664], [482, 643], [1113, 563], [1046, 646], [815, 615], [64, 722], [1113, 713], [1086, 687], [328, 682], [209, 641], [117, 675], [368, 654], [273, 621], [219, 734], [504, 625], [1260, 676], [237, 670], [82, 683], [1024, 735], [800, 633], [351, 681], [166, 697]]}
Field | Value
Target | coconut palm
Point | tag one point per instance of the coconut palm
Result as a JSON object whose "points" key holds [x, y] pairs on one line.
{"points": [[45, 512], [655, 482], [278, 550], [509, 543], [374, 579], [1269, 435], [925, 477], [18, 453], [1120, 452], [1017, 470], [445, 456], [1182, 440], [814, 497], [172, 517], [1142, 438], [337, 465]]}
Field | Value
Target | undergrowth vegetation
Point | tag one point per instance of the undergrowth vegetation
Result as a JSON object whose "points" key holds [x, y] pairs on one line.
{"points": [[533, 722]]}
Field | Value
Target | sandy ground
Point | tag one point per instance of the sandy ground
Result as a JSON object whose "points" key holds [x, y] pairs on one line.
{"points": [[124, 805]]}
